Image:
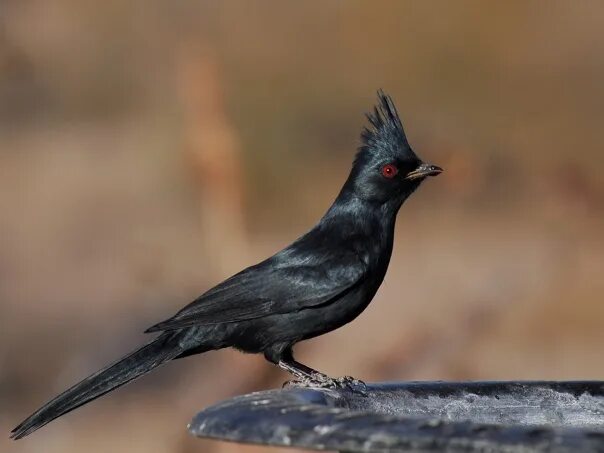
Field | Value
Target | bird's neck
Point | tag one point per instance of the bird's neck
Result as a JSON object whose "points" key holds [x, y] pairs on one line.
{"points": [[357, 217]]}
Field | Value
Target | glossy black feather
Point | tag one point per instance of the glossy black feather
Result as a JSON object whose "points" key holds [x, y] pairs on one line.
{"points": [[136, 364], [304, 275], [320, 282]]}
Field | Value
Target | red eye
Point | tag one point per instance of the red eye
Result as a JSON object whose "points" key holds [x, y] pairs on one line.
{"points": [[389, 171]]}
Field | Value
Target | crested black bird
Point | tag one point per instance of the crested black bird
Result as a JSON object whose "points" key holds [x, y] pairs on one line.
{"points": [[320, 282]]}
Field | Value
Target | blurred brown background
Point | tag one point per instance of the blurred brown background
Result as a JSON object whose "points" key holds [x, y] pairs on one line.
{"points": [[149, 149]]}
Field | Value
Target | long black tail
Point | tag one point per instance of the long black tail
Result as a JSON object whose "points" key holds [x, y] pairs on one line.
{"points": [[163, 349]]}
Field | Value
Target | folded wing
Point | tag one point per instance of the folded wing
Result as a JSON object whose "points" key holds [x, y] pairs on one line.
{"points": [[277, 285]]}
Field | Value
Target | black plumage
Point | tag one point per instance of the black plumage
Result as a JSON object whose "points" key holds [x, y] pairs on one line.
{"points": [[320, 282]]}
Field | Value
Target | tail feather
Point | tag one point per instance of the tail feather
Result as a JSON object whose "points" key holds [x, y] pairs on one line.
{"points": [[163, 349]]}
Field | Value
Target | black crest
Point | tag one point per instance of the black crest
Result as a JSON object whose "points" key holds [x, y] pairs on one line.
{"points": [[385, 134]]}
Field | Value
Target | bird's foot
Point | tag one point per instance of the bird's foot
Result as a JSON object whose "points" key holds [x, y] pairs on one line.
{"points": [[314, 380], [349, 381], [320, 380]]}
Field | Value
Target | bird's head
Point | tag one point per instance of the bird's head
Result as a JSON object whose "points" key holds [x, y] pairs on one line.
{"points": [[386, 170]]}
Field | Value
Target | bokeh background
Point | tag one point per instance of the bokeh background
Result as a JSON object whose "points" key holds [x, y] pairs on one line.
{"points": [[149, 149]]}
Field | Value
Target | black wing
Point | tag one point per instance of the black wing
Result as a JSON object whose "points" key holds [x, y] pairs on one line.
{"points": [[287, 282]]}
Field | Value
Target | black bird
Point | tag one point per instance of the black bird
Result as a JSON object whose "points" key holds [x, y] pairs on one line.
{"points": [[320, 282]]}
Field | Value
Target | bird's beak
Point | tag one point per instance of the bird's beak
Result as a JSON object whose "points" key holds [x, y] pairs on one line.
{"points": [[424, 170]]}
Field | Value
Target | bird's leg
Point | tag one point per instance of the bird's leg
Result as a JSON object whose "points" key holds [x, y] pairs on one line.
{"points": [[297, 369], [308, 377], [305, 376]]}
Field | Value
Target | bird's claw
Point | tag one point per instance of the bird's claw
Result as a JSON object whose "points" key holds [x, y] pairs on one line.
{"points": [[349, 381], [355, 385]]}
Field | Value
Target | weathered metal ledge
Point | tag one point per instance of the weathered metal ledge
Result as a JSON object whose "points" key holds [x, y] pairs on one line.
{"points": [[417, 416]]}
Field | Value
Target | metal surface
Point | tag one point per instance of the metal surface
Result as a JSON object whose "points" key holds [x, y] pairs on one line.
{"points": [[417, 416]]}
